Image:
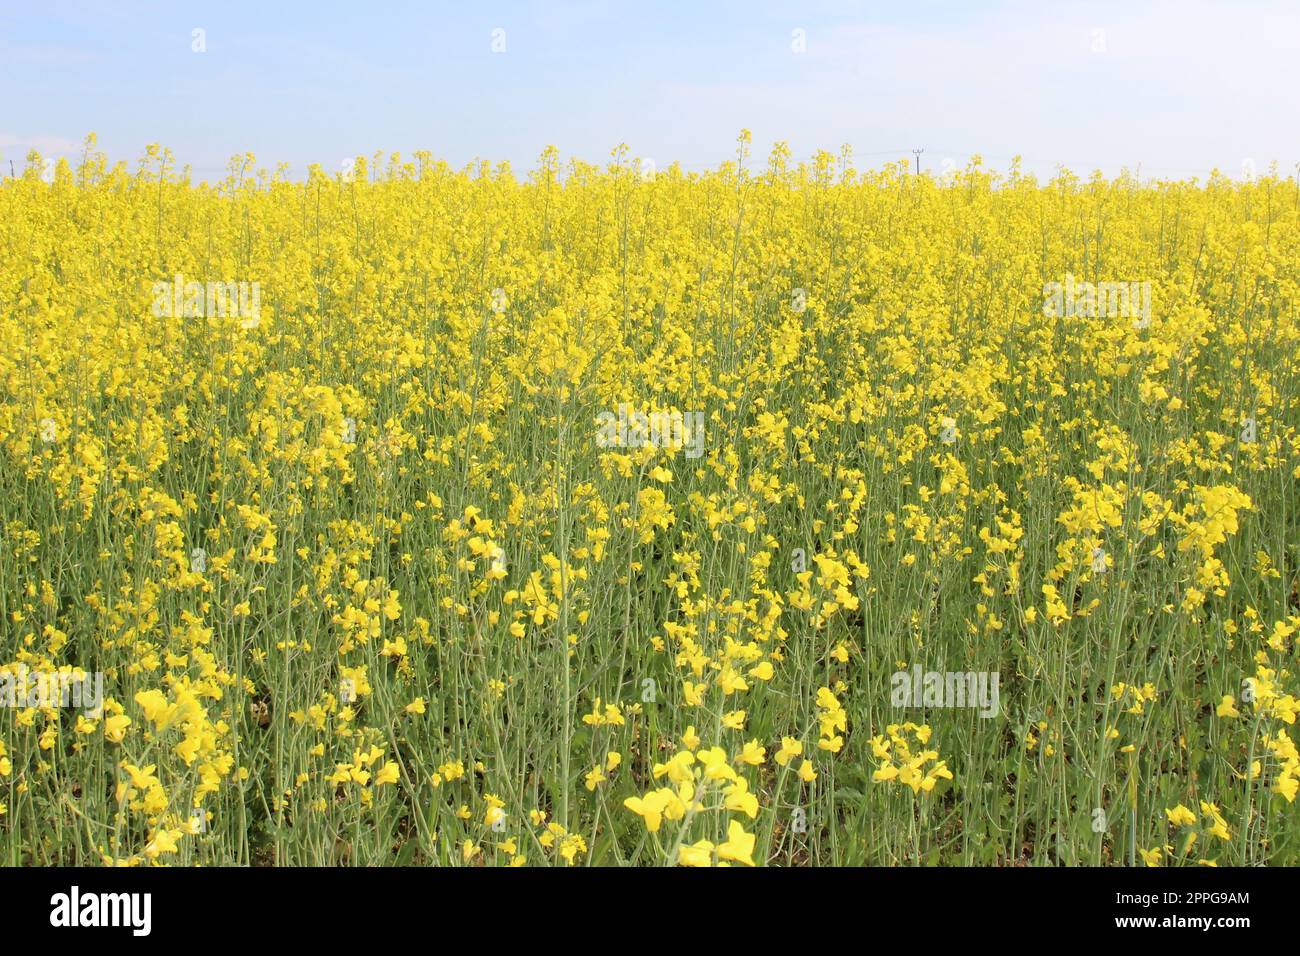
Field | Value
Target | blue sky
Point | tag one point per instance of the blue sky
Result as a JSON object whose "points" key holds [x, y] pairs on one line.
{"points": [[1178, 87]]}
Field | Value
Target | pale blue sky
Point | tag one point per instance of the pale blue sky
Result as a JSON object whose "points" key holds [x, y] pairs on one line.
{"points": [[1180, 87]]}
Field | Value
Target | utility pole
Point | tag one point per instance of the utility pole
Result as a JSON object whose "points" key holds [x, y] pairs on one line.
{"points": [[917, 153]]}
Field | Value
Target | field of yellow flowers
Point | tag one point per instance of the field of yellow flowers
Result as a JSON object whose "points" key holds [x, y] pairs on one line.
{"points": [[779, 514]]}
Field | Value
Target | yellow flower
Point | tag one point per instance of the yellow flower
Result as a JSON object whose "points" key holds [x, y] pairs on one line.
{"points": [[752, 754], [164, 841], [678, 769], [738, 799], [188, 749], [699, 853], [142, 778], [714, 764], [155, 706], [115, 728], [790, 748], [388, 476], [655, 806], [1218, 826], [1151, 857], [571, 846], [495, 814], [739, 846]]}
